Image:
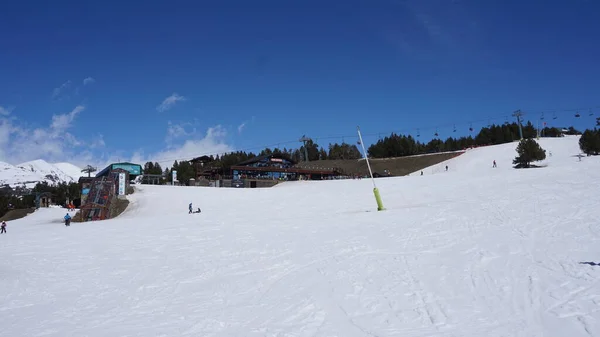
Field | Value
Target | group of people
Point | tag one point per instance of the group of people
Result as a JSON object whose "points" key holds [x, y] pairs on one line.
{"points": [[191, 210]]}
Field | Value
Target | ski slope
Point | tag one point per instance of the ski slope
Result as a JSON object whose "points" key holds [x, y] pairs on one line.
{"points": [[474, 251], [477, 160]]}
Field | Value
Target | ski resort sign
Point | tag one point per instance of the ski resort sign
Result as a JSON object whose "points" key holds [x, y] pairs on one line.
{"points": [[121, 183]]}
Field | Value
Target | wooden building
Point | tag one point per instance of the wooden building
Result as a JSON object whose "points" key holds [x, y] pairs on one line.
{"points": [[279, 167], [206, 168]]}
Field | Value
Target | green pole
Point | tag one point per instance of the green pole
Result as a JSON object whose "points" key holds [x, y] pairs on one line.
{"points": [[375, 190]]}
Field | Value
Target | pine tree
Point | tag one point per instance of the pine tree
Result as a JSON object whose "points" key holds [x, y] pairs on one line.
{"points": [[529, 151], [589, 143]]}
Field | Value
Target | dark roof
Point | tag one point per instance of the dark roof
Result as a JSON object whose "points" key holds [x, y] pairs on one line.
{"points": [[201, 159], [260, 158]]}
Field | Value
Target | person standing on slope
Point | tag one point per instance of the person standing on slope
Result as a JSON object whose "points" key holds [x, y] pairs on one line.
{"points": [[494, 164], [190, 208], [67, 220], [3, 226]]}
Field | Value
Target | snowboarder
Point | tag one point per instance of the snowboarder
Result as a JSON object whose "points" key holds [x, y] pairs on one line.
{"points": [[190, 208], [67, 220], [446, 167], [421, 172], [494, 164], [3, 226]]}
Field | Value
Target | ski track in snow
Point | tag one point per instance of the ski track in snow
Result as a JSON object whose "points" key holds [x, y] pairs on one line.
{"points": [[467, 253]]}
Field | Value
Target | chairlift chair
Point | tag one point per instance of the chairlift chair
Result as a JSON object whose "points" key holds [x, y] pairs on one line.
{"points": [[577, 115]]}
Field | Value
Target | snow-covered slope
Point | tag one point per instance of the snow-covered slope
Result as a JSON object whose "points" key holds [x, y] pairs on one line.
{"points": [[497, 253], [30, 173], [559, 151]]}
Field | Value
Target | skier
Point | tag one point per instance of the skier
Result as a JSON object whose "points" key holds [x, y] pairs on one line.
{"points": [[190, 208], [3, 226], [494, 165], [67, 220], [446, 167]]}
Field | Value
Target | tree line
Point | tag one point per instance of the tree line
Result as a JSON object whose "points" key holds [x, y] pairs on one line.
{"points": [[19, 197], [394, 145]]}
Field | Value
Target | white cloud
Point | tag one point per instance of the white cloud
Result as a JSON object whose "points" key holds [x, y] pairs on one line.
{"points": [[212, 142], [57, 91], [88, 80], [5, 111], [241, 127], [244, 124], [170, 102], [175, 131], [19, 143], [63, 122]]}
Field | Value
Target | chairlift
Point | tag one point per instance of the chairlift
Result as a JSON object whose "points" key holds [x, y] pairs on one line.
{"points": [[454, 128], [471, 127], [554, 116], [418, 133], [577, 115], [436, 133], [542, 118], [591, 113]]}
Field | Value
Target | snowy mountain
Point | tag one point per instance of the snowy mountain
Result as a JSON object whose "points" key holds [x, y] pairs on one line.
{"points": [[28, 174]]}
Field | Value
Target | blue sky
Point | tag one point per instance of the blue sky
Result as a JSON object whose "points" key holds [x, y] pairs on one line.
{"points": [[95, 82]]}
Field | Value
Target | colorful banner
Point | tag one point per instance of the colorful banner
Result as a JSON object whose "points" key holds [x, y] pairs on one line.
{"points": [[121, 183]]}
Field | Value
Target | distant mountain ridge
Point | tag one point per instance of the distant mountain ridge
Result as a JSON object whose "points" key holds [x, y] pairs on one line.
{"points": [[30, 173]]}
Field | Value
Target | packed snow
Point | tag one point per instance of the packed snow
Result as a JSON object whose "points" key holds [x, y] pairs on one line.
{"points": [[28, 174], [475, 251]]}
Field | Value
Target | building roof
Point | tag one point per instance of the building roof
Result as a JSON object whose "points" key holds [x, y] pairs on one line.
{"points": [[269, 156], [110, 166], [201, 159], [125, 163]]}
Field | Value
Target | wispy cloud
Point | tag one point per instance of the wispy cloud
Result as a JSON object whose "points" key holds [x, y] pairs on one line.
{"points": [[59, 90], [176, 131], [244, 124], [241, 127], [5, 111], [170, 102], [88, 80], [64, 121]]}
